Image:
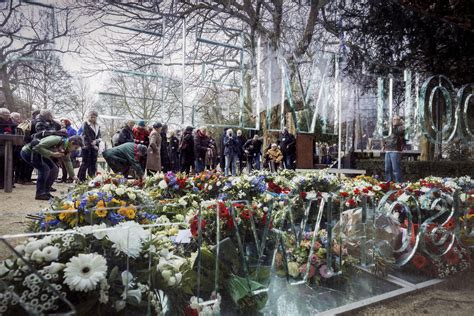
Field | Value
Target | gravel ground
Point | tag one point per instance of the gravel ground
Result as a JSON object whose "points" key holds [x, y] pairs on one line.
{"points": [[451, 297]]}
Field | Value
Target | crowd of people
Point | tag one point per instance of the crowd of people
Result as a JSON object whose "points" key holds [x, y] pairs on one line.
{"points": [[137, 149]]}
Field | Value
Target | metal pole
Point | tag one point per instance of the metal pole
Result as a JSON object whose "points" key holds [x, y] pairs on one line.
{"points": [[390, 103], [184, 71], [257, 119], [282, 103], [338, 108]]}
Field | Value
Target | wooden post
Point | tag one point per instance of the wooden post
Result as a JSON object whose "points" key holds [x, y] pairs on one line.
{"points": [[9, 141]]}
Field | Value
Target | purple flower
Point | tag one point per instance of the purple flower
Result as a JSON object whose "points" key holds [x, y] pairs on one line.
{"points": [[324, 272]]}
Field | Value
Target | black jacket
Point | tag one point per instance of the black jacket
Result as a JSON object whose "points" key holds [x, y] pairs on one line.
{"points": [[165, 159], [287, 143], [89, 135], [173, 146], [240, 142], [186, 147], [201, 144], [126, 136], [253, 147]]}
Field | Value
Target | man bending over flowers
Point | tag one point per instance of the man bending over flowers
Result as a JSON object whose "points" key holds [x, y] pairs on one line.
{"points": [[123, 157]]}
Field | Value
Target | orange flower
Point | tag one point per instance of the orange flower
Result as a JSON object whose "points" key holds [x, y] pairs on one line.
{"points": [[451, 224]]}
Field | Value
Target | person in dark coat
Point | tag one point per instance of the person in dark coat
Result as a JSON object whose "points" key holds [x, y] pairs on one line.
{"points": [[123, 157], [253, 150], [222, 159], [287, 143], [186, 150], [45, 122], [126, 134], [230, 152], [201, 145], [240, 142], [92, 138], [165, 158], [173, 150]]}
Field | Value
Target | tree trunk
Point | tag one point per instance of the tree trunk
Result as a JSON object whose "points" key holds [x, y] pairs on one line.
{"points": [[6, 89]]}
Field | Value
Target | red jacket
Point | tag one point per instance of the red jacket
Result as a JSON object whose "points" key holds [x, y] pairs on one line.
{"points": [[141, 136]]}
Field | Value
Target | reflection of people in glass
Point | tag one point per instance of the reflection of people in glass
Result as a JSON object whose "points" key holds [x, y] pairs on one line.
{"points": [[393, 146]]}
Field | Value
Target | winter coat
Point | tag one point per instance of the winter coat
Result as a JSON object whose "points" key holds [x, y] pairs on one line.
{"points": [[396, 141], [70, 131], [126, 136], [90, 136], [201, 143], [186, 148], [153, 158], [240, 141], [125, 154], [173, 146], [49, 145], [230, 146], [253, 147], [287, 143], [141, 136], [165, 158], [275, 154]]}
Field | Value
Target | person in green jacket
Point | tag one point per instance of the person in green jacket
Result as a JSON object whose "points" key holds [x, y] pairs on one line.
{"points": [[123, 157], [38, 154]]}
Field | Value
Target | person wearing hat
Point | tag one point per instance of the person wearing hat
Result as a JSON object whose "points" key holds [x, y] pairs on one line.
{"points": [[153, 158], [123, 157], [186, 149], [141, 133]]}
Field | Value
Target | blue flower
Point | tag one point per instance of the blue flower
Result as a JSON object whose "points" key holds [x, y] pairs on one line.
{"points": [[115, 218]]}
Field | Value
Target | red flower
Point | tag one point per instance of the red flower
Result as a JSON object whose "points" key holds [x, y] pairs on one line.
{"points": [[272, 187], [238, 205], [369, 188], [246, 215], [264, 221], [343, 194], [452, 258], [194, 226], [365, 190], [223, 211], [419, 261], [182, 183], [97, 184], [451, 224], [189, 311], [356, 191], [351, 203], [303, 195], [230, 223]]}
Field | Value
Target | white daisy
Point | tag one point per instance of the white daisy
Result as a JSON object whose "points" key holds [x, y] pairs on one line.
{"points": [[54, 267], [162, 184], [50, 253], [85, 271]]}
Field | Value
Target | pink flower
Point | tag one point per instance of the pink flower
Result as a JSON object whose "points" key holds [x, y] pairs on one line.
{"points": [[323, 270], [312, 270]]}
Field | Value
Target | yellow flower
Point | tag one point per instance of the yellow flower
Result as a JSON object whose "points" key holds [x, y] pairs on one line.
{"points": [[49, 218], [91, 198], [63, 216], [114, 201], [101, 212], [123, 211], [131, 213], [76, 204], [123, 203], [100, 204]]}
